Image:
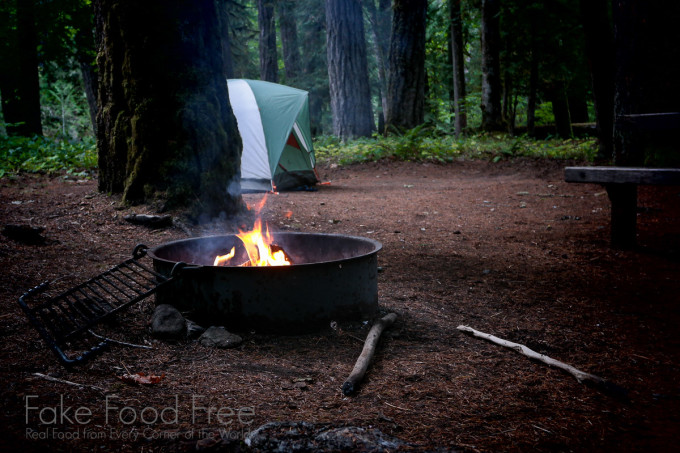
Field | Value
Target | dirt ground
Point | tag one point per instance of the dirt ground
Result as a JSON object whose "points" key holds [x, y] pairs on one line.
{"points": [[507, 248]]}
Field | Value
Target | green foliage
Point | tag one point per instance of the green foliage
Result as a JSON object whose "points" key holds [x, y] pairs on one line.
{"points": [[42, 154], [420, 144], [64, 107]]}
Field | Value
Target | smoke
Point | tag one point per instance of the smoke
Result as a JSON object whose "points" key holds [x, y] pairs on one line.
{"points": [[234, 188]]}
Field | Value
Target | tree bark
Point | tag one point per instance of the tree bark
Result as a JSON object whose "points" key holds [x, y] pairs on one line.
{"points": [[406, 77], [269, 66], [165, 126], [492, 119], [348, 70], [289, 41], [458, 60]]}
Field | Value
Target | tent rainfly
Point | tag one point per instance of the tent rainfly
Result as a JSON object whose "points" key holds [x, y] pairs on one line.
{"points": [[273, 121]]}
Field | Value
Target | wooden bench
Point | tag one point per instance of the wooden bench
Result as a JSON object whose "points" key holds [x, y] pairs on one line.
{"points": [[621, 184]]}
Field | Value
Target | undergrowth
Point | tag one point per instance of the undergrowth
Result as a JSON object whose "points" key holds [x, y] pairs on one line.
{"points": [[417, 145], [50, 155], [47, 155]]}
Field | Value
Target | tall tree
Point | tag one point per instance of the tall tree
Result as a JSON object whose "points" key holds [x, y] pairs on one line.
{"points": [[222, 8], [492, 118], [380, 18], [19, 82], [458, 62], [269, 65], [165, 126], [348, 69], [406, 76], [289, 40], [312, 35]]}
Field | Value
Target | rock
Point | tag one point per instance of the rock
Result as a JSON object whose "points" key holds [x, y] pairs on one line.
{"points": [[218, 337], [167, 322], [194, 330]]}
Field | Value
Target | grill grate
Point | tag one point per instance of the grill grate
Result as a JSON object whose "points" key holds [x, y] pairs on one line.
{"points": [[62, 321]]}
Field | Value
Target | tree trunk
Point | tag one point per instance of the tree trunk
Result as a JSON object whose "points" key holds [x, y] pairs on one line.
{"points": [[225, 39], [289, 41], [458, 67], [312, 34], [492, 119], [19, 74], [269, 66], [348, 70], [578, 107], [406, 76], [89, 74], [165, 126], [561, 111], [380, 26], [599, 38], [531, 97]]}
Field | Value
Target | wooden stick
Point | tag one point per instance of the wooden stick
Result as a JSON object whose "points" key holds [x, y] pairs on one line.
{"points": [[581, 376], [62, 381], [367, 353]]}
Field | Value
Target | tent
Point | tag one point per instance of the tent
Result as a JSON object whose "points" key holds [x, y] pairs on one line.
{"points": [[273, 121]]}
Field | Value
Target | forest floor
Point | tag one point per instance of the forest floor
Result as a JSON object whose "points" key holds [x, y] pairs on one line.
{"points": [[507, 248]]}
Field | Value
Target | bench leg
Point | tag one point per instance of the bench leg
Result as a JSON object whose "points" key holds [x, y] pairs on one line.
{"points": [[624, 214]]}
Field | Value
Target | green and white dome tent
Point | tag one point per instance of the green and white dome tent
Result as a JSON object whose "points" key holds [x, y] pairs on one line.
{"points": [[273, 121]]}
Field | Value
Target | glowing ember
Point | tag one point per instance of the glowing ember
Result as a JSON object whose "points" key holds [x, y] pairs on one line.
{"points": [[260, 247]]}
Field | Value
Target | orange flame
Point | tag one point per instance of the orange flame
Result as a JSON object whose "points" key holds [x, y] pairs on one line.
{"points": [[222, 259], [259, 247]]}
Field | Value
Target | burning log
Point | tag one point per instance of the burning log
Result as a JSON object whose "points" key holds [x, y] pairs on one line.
{"points": [[581, 376], [367, 353]]}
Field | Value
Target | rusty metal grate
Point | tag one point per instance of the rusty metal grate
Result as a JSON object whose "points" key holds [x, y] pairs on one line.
{"points": [[63, 320]]}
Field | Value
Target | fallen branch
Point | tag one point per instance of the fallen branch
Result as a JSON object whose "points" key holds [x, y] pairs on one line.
{"points": [[367, 353], [62, 381], [581, 376], [122, 343]]}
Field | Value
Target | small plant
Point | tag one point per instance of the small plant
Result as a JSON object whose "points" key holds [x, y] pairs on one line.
{"points": [[46, 155]]}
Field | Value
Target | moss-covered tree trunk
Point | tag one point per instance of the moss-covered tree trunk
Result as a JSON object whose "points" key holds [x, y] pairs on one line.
{"points": [[165, 127]]}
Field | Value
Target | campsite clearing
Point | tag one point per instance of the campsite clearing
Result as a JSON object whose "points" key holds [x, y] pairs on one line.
{"points": [[508, 248]]}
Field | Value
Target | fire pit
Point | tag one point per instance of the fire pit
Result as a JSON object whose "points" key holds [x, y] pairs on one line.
{"points": [[329, 277]]}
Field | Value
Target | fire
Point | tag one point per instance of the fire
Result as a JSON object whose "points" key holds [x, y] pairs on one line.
{"points": [[222, 259], [260, 247]]}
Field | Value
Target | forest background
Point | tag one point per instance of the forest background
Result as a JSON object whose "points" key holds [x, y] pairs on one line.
{"points": [[496, 78]]}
